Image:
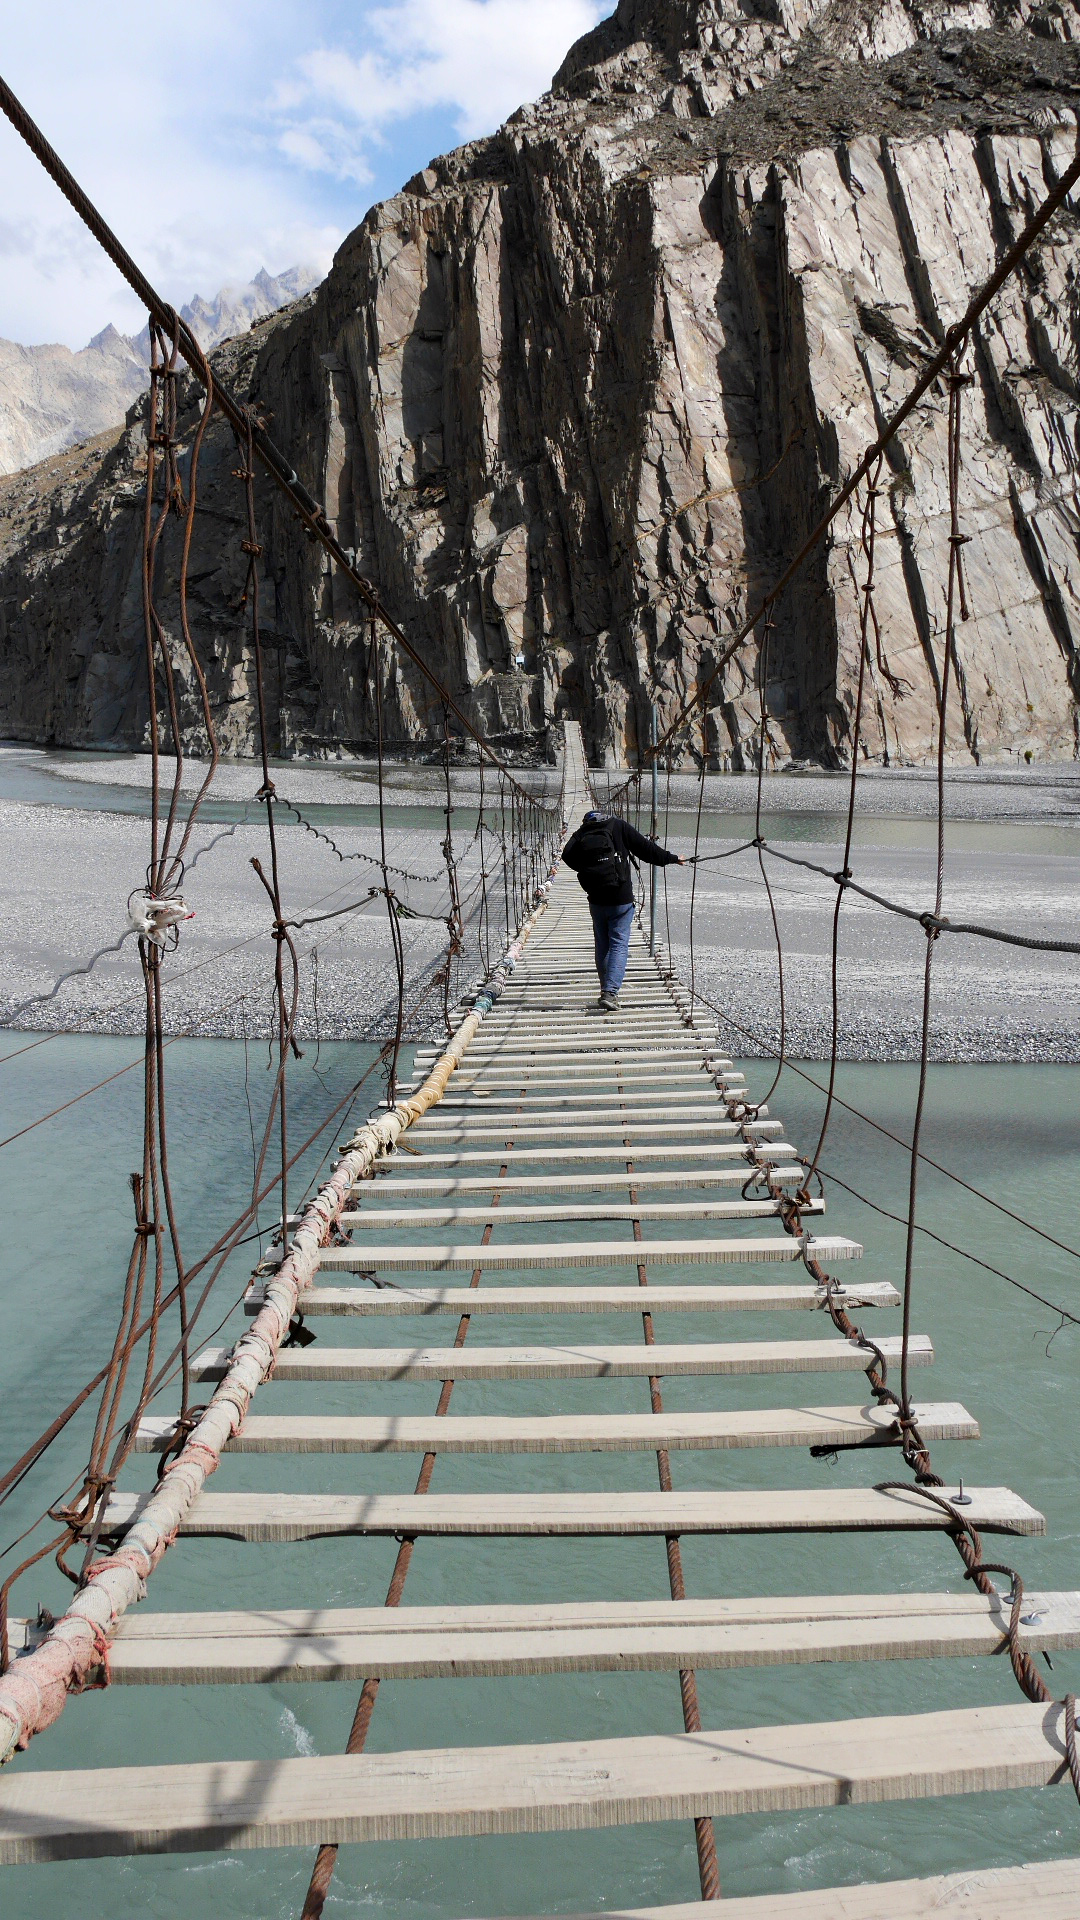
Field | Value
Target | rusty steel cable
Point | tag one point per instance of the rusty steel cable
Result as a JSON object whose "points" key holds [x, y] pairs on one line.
{"points": [[286, 1020], [453, 918], [867, 541], [375, 685], [954, 589], [371, 859], [781, 985], [326, 1859], [704, 1831]]}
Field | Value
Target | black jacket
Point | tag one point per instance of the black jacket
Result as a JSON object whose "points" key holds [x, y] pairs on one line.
{"points": [[627, 841]]}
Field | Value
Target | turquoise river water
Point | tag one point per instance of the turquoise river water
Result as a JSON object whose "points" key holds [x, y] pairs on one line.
{"points": [[1012, 1130]]}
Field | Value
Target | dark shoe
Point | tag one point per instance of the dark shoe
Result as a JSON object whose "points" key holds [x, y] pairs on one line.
{"points": [[609, 1003]]}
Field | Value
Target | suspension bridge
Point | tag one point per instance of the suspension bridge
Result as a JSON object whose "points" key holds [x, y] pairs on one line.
{"points": [[542, 1165], [635, 1135]]}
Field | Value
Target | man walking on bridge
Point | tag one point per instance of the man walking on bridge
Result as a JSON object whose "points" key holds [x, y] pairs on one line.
{"points": [[599, 853]]}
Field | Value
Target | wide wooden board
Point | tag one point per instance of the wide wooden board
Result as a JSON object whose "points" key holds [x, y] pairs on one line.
{"points": [[525, 1255], [342, 1643], [394, 1301], [570, 1432], [569, 1362], [525, 1789], [311, 1516]]}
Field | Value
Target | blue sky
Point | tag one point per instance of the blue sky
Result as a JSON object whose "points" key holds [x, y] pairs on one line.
{"points": [[238, 133]]}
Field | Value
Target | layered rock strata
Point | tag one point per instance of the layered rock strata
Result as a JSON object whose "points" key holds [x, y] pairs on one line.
{"points": [[578, 393]]}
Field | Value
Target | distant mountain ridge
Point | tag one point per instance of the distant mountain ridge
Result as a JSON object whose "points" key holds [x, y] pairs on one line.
{"points": [[51, 397]]}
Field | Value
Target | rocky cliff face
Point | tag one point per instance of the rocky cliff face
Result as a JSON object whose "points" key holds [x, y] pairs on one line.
{"points": [[581, 389]]}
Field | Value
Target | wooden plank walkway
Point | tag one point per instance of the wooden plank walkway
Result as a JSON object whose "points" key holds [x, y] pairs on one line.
{"points": [[702, 1298], [570, 1432], [310, 1516], [665, 1360], [402, 1219], [526, 1254], [1046, 1890], [449, 1792], [420, 1643], [613, 1130], [452, 1186]]}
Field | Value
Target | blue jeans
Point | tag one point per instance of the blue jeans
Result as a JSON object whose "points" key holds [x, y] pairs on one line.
{"points": [[611, 933]]}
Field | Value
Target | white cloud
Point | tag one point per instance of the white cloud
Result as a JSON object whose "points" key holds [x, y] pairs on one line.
{"points": [[253, 138], [479, 59]]}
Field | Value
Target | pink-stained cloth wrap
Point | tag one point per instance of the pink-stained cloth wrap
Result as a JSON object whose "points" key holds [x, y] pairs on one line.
{"points": [[35, 1688]]}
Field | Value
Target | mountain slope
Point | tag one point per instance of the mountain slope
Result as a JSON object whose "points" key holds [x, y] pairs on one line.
{"points": [[580, 390], [51, 397]]}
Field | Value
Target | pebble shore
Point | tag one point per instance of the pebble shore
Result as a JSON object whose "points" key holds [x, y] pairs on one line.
{"points": [[66, 872]]}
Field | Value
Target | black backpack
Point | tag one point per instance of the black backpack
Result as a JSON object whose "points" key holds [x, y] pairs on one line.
{"points": [[596, 858]]}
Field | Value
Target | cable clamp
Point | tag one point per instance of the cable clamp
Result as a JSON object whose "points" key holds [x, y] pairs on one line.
{"points": [[932, 924]]}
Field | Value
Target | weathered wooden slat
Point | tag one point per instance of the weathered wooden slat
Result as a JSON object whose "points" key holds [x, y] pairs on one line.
{"points": [[581, 1128], [1042, 1890], [551, 1024], [191, 1649], [519, 1216], [450, 1187], [569, 1432], [607, 1112], [530, 1255], [630, 1099], [644, 1063], [685, 1152], [666, 1056], [310, 1516], [584, 1253], [564, 1362], [529, 1789], [392, 1302]]}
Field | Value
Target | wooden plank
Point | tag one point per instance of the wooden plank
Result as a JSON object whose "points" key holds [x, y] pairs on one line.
{"points": [[582, 1128], [685, 1152], [700, 1358], [276, 1517], [554, 1093], [556, 1026], [544, 1788], [695, 1109], [1042, 1890], [395, 1301], [343, 1643], [569, 1432], [583, 1253], [583, 1062], [658, 1062], [403, 1218], [451, 1186]]}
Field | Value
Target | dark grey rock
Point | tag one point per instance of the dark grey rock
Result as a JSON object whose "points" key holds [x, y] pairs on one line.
{"points": [[579, 392]]}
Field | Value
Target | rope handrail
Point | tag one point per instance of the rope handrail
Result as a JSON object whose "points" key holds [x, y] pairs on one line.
{"points": [[932, 923]]}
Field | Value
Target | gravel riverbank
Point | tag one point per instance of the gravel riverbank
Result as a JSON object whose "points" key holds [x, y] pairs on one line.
{"points": [[66, 871]]}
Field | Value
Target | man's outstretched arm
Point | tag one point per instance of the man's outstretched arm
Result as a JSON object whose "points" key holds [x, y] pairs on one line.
{"points": [[648, 850]]}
